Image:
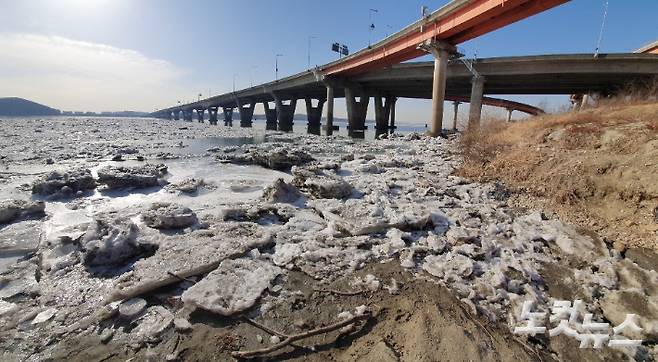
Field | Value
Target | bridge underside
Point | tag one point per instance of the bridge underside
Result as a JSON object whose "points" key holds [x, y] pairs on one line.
{"points": [[559, 74], [552, 74]]}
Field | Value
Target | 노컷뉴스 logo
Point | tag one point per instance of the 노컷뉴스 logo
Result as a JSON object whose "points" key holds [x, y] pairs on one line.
{"points": [[565, 316]]}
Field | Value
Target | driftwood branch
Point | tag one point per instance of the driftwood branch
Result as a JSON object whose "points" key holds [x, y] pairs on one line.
{"points": [[264, 327], [295, 337], [181, 278], [338, 292]]}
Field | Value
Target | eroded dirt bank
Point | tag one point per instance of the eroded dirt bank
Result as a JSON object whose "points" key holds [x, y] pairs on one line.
{"points": [[143, 259], [596, 168]]}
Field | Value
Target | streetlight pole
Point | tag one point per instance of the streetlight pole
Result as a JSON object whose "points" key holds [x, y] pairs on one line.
{"points": [[276, 66], [252, 74], [371, 26], [309, 50]]}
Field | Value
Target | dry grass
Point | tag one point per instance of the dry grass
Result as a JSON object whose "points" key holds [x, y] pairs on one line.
{"points": [[595, 167]]}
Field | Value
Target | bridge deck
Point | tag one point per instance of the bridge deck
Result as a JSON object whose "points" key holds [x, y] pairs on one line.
{"points": [[543, 74]]}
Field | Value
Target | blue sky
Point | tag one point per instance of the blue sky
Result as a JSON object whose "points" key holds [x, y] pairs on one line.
{"points": [[142, 54]]}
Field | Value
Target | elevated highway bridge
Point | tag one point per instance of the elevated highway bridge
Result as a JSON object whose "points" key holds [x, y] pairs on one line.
{"points": [[542, 74]]}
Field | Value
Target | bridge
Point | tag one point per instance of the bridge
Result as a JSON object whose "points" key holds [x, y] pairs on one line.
{"points": [[466, 81], [436, 34]]}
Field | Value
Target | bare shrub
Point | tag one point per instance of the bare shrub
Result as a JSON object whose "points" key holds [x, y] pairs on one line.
{"points": [[480, 144]]}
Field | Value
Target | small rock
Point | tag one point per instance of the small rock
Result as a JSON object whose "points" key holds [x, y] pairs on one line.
{"points": [[117, 157], [300, 323], [259, 338], [107, 335], [275, 339], [49, 161]]}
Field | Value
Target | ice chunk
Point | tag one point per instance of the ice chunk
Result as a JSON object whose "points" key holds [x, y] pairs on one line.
{"points": [[280, 191], [20, 279], [187, 255], [44, 316], [233, 287], [182, 324], [7, 308], [448, 265], [11, 210], [369, 282], [132, 307], [169, 216], [148, 175], [187, 186], [59, 183], [155, 321], [113, 242]]}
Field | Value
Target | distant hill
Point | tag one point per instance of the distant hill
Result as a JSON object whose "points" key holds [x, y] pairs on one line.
{"points": [[17, 107]]}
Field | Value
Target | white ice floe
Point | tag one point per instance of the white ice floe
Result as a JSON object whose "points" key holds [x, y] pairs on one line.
{"points": [[233, 287]]}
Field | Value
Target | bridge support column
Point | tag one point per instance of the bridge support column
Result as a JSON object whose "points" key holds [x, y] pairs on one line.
{"points": [[509, 114], [475, 110], [329, 127], [270, 117], [176, 115], [228, 116], [212, 115], [246, 113], [314, 115], [455, 104], [199, 113], [285, 113], [187, 115], [356, 111], [382, 114], [441, 51], [590, 100], [391, 125]]}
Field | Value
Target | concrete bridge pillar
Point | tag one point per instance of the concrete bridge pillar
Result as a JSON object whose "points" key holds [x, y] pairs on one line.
{"points": [[187, 115], [477, 92], [270, 117], [176, 115], [455, 104], [212, 115], [391, 125], [382, 114], [314, 115], [356, 111], [441, 51], [509, 114], [228, 116], [246, 112], [590, 99], [285, 113], [199, 113], [329, 127]]}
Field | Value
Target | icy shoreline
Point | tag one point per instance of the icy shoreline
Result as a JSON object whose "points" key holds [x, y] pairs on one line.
{"points": [[343, 205]]}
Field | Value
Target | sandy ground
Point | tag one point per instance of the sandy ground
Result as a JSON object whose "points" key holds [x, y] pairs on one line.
{"points": [[292, 234]]}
